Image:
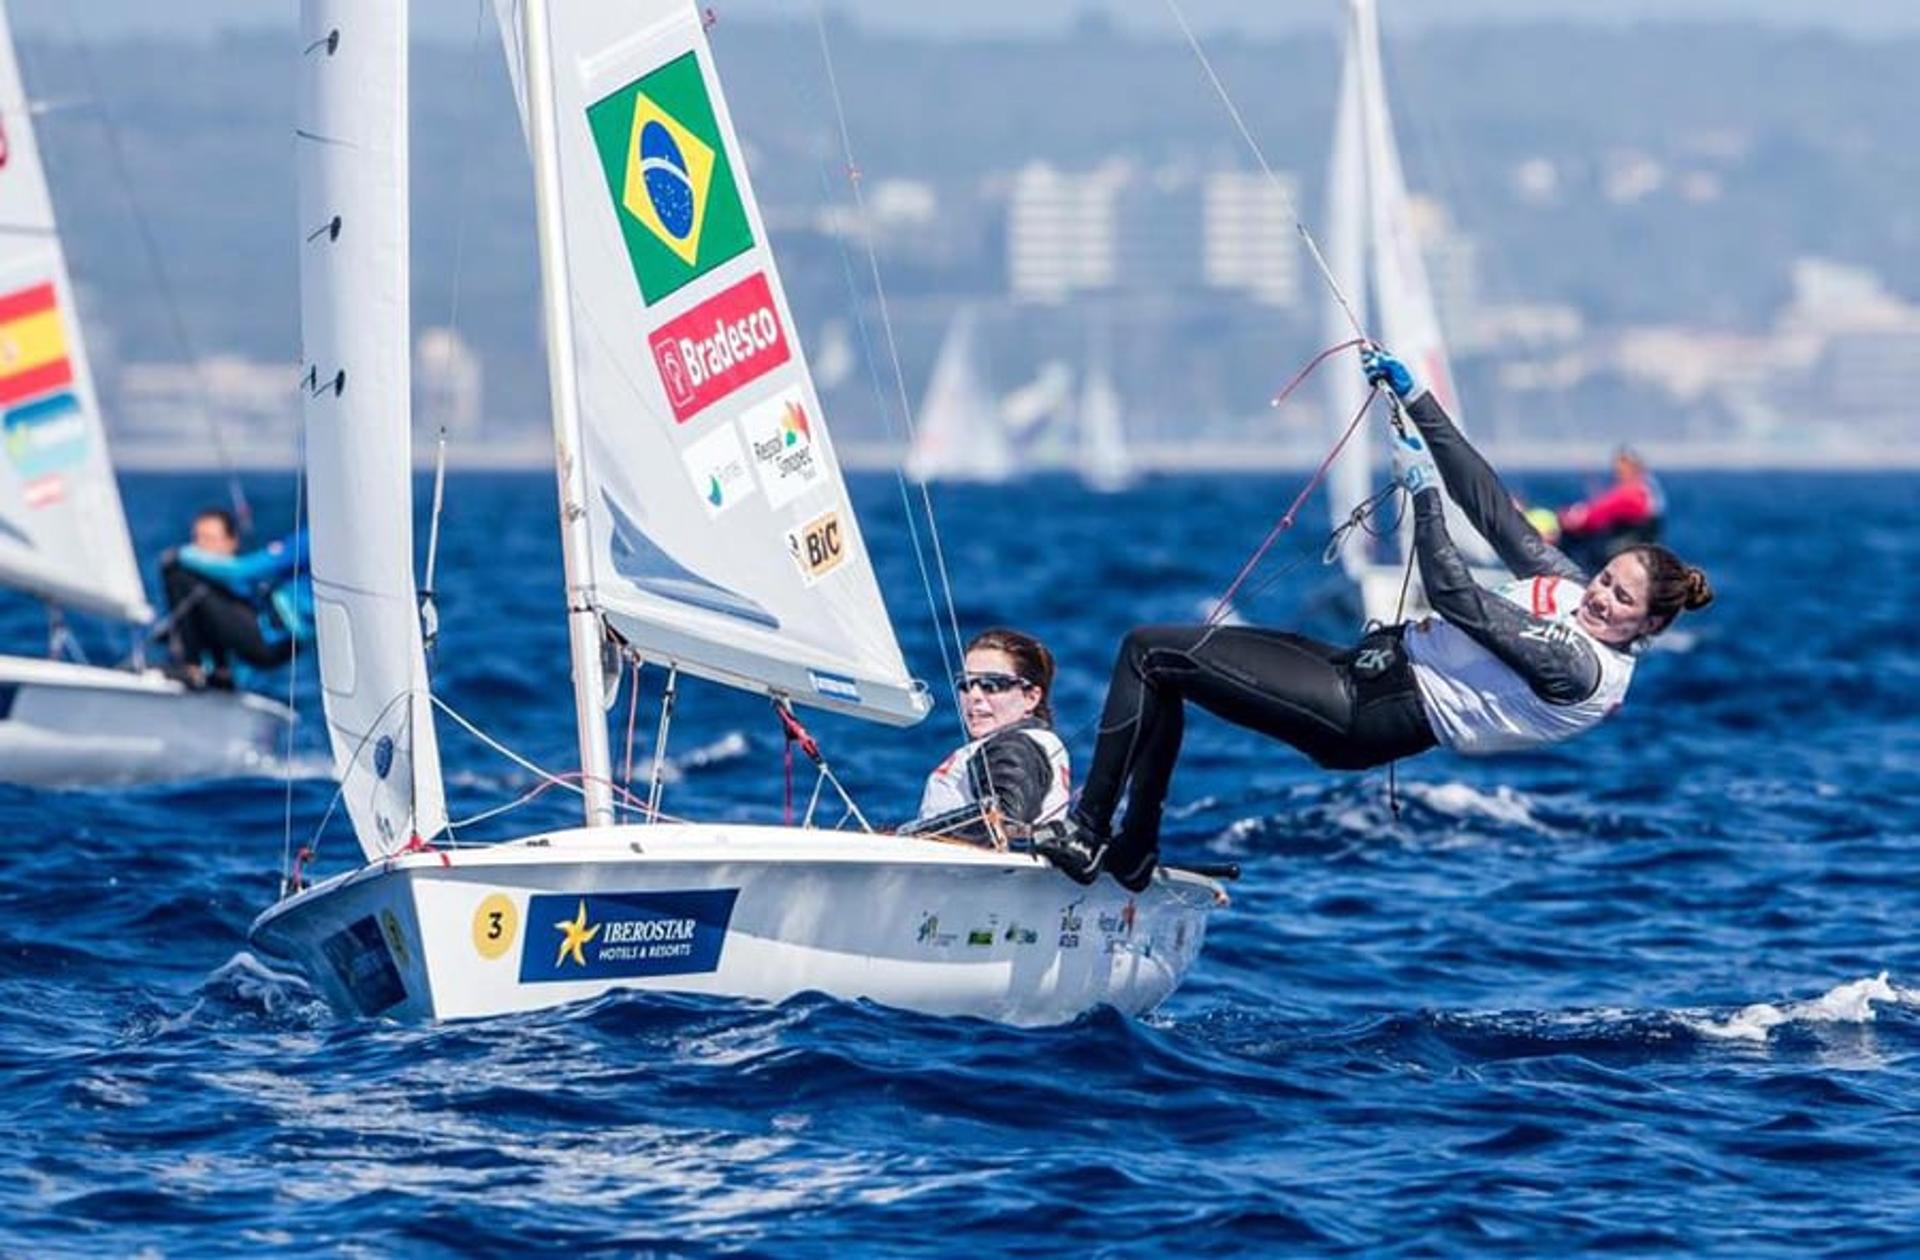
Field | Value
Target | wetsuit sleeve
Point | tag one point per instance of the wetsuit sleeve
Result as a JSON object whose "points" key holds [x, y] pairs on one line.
{"points": [[1557, 664], [244, 574], [1472, 483], [1014, 769]]}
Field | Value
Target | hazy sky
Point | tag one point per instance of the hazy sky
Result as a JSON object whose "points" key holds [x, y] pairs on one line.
{"points": [[455, 18]]}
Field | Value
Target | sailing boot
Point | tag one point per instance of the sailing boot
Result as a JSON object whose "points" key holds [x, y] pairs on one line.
{"points": [[1073, 847], [1132, 872]]}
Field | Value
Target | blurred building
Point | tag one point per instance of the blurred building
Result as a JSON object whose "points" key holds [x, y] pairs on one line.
{"points": [[169, 412], [1251, 244], [1063, 231]]}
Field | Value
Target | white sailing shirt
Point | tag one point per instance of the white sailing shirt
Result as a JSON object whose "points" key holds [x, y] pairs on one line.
{"points": [[1477, 704]]}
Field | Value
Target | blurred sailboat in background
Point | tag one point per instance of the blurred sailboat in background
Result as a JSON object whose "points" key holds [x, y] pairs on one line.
{"points": [[63, 531], [1372, 249], [959, 434]]}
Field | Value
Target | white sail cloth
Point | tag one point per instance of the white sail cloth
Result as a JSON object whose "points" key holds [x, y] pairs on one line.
{"points": [[1374, 252], [63, 533], [355, 339], [721, 536]]}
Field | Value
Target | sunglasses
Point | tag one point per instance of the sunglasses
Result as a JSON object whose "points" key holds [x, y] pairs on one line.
{"points": [[989, 684]]}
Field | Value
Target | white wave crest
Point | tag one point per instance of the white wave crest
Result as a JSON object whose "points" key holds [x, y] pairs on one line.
{"points": [[1458, 800], [1849, 1003]]}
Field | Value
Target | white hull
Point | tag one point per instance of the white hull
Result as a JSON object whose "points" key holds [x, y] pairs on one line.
{"points": [[753, 912], [68, 725]]}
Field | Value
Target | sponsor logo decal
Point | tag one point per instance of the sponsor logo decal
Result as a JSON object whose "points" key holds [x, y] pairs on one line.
{"points": [[618, 935], [781, 435], [1070, 925], [818, 547], [46, 433], [396, 938], [837, 687], [718, 469], [980, 937], [1020, 935], [730, 339], [673, 187], [929, 933]]}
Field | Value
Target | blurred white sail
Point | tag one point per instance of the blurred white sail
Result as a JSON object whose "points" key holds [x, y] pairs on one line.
{"points": [[959, 434], [63, 532]]}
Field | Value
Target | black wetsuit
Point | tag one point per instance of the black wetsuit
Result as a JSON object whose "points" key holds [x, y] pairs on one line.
{"points": [[208, 622], [1347, 708]]}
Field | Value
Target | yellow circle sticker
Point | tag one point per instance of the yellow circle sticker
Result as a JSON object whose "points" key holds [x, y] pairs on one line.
{"points": [[495, 924]]}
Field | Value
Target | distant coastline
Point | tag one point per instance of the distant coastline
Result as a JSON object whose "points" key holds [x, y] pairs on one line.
{"points": [[536, 455]]}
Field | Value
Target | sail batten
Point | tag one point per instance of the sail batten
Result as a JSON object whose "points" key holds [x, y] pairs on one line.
{"points": [[63, 530], [355, 328], [718, 533]]}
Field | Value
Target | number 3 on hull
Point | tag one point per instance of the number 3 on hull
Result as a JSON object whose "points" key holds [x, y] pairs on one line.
{"points": [[704, 522]]}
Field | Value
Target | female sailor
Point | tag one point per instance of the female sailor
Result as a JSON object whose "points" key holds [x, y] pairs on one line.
{"points": [[1014, 769], [1544, 658]]}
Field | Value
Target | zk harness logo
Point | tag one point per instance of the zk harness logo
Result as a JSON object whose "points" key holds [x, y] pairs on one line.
{"points": [[603, 935], [673, 188]]}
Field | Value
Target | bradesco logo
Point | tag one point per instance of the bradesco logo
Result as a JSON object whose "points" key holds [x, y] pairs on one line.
{"points": [[673, 188], [728, 340]]}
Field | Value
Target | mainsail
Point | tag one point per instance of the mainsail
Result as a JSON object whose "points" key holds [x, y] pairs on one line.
{"points": [[1371, 242], [63, 533], [355, 328], [959, 436], [718, 534]]}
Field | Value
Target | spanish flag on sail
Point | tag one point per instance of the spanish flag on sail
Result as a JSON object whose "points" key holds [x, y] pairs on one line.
{"points": [[44, 429], [33, 345]]}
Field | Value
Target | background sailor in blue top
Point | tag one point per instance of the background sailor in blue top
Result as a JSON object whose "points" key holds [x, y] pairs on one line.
{"points": [[1013, 760], [223, 603], [1543, 658]]}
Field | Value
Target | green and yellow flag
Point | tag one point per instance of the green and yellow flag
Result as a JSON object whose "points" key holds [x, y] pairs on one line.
{"points": [[672, 184]]}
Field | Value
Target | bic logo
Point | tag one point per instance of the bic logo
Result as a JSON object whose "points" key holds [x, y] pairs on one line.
{"points": [[674, 191], [818, 547]]}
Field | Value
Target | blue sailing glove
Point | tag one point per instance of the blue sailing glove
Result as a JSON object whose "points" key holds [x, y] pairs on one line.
{"points": [[1383, 369], [1413, 465]]}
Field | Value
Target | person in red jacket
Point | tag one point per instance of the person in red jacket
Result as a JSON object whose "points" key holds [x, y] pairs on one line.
{"points": [[1627, 513]]}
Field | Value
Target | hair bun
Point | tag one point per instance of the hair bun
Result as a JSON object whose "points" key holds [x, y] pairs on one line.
{"points": [[1699, 590]]}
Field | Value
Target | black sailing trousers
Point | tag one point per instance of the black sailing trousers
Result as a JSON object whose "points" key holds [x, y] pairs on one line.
{"points": [[1346, 708]]}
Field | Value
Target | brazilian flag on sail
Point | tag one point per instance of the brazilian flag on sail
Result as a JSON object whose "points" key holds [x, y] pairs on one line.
{"points": [[672, 183]]}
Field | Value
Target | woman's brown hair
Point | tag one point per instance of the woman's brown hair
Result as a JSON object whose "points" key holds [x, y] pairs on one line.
{"points": [[1673, 585], [1031, 661]]}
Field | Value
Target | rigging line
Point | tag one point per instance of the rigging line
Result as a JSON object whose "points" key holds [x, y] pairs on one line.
{"points": [[168, 299], [429, 613], [1299, 224], [907, 511], [567, 781], [293, 678], [886, 317], [1286, 520]]}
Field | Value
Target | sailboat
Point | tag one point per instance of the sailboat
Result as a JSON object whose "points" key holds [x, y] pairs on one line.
{"points": [[1105, 464], [960, 435], [705, 527], [63, 531], [1373, 251]]}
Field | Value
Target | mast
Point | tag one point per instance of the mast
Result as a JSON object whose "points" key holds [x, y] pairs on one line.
{"points": [[583, 621]]}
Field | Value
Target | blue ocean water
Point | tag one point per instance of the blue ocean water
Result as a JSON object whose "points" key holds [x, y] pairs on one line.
{"points": [[1645, 993]]}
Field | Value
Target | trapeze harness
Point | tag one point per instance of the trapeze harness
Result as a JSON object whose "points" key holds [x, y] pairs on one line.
{"points": [[1023, 767], [1494, 671]]}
